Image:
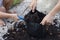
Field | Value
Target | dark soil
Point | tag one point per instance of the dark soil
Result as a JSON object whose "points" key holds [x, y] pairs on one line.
{"points": [[31, 29]]}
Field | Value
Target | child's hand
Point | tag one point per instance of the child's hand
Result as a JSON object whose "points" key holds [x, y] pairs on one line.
{"points": [[48, 19], [33, 6]]}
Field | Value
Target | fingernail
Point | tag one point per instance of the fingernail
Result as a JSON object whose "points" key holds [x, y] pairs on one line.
{"points": [[4, 24], [40, 23], [32, 10]]}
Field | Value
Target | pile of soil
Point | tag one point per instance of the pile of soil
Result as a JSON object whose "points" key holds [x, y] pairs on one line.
{"points": [[31, 29]]}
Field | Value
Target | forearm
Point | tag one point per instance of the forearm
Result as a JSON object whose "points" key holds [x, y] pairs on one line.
{"points": [[34, 1], [5, 15], [55, 9]]}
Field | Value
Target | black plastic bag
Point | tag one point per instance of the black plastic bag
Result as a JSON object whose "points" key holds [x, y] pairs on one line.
{"points": [[34, 28], [35, 17]]}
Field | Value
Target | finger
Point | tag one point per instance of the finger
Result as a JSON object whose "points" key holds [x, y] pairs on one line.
{"points": [[33, 9], [48, 23], [43, 22], [2, 24]]}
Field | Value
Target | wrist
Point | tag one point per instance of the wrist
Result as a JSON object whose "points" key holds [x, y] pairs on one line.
{"points": [[51, 15]]}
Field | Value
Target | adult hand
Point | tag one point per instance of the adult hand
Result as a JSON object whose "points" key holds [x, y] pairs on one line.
{"points": [[33, 6], [48, 19]]}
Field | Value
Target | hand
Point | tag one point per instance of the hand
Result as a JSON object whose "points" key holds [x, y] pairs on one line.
{"points": [[2, 23], [33, 6], [14, 17], [48, 19]]}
